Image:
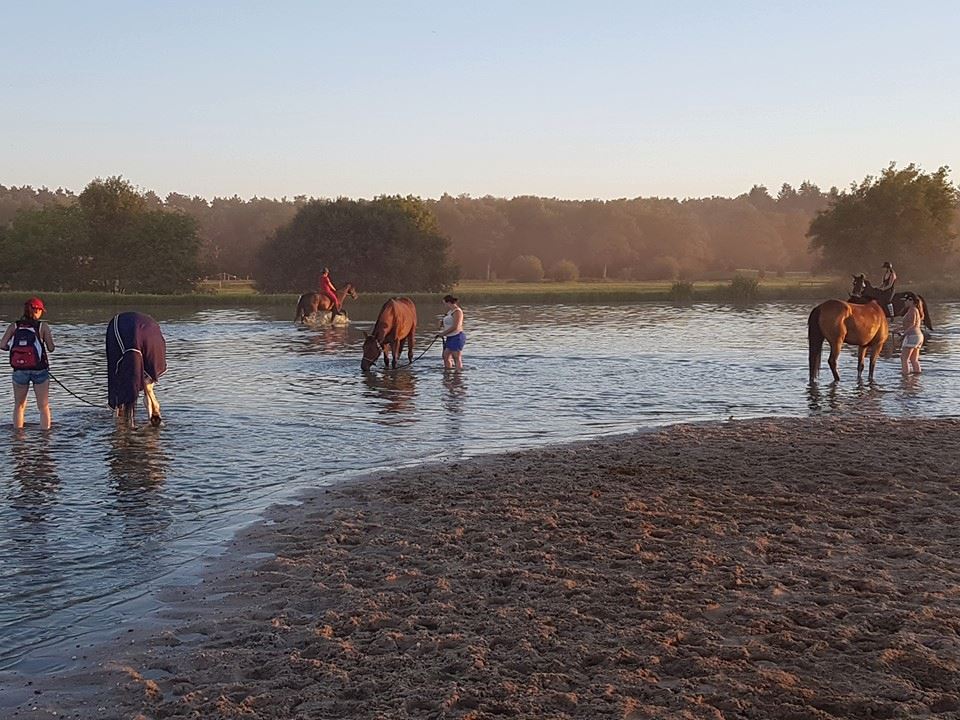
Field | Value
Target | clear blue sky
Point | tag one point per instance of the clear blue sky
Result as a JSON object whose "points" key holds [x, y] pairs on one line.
{"points": [[562, 99]]}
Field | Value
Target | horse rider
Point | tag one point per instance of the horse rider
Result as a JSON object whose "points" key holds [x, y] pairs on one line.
{"points": [[327, 288], [886, 288]]}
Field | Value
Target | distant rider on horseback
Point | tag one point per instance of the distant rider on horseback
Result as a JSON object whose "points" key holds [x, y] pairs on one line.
{"points": [[327, 288], [887, 283]]}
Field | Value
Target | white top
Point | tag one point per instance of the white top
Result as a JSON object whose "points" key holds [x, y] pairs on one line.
{"points": [[452, 322]]}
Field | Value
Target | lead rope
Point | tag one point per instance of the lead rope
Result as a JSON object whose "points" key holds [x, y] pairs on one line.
{"points": [[101, 407], [421, 354]]}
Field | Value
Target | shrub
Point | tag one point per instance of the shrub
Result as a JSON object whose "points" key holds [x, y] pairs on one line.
{"points": [[664, 267], [743, 289], [681, 291], [526, 268], [564, 271]]}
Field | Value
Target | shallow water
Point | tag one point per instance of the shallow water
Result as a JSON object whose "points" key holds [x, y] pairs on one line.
{"points": [[93, 518]]}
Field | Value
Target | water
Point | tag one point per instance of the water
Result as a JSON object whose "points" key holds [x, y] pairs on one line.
{"points": [[94, 519]]}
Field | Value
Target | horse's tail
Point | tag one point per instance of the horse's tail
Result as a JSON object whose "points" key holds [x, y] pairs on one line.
{"points": [[925, 312], [300, 316], [816, 338]]}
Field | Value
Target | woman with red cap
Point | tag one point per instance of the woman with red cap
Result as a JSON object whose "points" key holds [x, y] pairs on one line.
{"points": [[29, 340]]}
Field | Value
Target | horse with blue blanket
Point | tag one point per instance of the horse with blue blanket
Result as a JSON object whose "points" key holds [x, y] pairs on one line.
{"points": [[136, 358]]}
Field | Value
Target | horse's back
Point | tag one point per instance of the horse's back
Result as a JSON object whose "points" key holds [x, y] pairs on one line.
{"points": [[855, 323], [866, 323], [398, 316]]}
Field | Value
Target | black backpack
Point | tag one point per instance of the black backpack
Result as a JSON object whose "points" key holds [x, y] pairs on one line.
{"points": [[26, 348]]}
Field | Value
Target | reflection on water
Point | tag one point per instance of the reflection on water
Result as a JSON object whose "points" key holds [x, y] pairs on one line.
{"points": [[92, 514], [35, 474], [394, 390], [137, 465], [454, 383], [137, 459]]}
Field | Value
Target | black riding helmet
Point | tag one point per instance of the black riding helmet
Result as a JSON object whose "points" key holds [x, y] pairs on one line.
{"points": [[887, 265]]}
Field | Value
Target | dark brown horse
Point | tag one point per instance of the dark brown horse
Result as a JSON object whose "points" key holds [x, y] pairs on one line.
{"points": [[839, 322], [863, 291], [396, 325], [311, 303]]}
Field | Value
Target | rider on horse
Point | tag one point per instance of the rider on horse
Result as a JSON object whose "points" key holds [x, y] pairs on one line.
{"points": [[327, 288], [887, 283]]}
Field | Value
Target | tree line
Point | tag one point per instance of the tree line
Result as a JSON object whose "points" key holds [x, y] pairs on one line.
{"points": [[97, 239]]}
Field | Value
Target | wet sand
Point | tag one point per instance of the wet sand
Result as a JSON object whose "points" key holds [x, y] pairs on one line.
{"points": [[787, 569]]}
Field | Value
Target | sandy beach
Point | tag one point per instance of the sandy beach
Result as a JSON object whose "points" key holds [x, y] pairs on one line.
{"points": [[794, 569]]}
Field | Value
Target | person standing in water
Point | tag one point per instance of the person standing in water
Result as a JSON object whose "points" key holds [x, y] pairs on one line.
{"points": [[451, 330], [29, 340], [912, 336], [327, 288]]}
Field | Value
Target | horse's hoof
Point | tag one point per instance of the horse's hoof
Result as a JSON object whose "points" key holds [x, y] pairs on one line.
{"points": [[155, 420]]}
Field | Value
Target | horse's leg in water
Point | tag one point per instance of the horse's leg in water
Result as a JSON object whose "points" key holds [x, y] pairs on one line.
{"points": [[835, 347], [410, 348], [127, 414], [874, 353], [151, 403], [861, 354]]}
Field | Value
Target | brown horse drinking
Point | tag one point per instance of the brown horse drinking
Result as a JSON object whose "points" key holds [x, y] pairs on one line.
{"points": [[840, 322], [396, 325], [311, 303]]}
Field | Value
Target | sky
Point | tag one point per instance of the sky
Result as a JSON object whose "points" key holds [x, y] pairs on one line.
{"points": [[557, 99]]}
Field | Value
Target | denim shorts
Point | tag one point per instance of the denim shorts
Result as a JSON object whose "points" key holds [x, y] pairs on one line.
{"points": [[455, 343], [25, 377]]}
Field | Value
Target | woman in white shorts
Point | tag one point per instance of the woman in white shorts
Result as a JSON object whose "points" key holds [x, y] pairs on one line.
{"points": [[912, 336]]}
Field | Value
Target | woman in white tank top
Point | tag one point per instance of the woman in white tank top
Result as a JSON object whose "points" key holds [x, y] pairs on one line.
{"points": [[451, 330]]}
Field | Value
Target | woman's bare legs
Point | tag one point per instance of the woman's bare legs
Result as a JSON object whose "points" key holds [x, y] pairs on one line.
{"points": [[19, 403], [915, 360], [42, 393]]}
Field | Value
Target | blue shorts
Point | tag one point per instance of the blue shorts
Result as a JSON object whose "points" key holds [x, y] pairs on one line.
{"points": [[455, 343], [25, 377]]}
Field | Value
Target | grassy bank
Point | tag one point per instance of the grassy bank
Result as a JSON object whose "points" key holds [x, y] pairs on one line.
{"points": [[478, 292]]}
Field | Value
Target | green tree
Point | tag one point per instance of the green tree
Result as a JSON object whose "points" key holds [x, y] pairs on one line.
{"points": [[112, 237], [904, 216], [390, 243], [526, 268], [46, 249], [564, 271]]}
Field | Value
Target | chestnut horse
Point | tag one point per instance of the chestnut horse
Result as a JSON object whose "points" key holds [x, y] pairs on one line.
{"points": [[840, 322], [396, 325], [863, 291], [311, 303]]}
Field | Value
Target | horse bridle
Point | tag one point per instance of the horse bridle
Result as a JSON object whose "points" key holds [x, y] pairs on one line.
{"points": [[379, 350]]}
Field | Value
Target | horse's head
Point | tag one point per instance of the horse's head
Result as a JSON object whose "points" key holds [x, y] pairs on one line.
{"points": [[859, 284], [371, 351], [350, 290]]}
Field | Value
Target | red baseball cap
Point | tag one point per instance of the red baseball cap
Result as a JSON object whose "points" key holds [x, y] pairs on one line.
{"points": [[35, 303]]}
